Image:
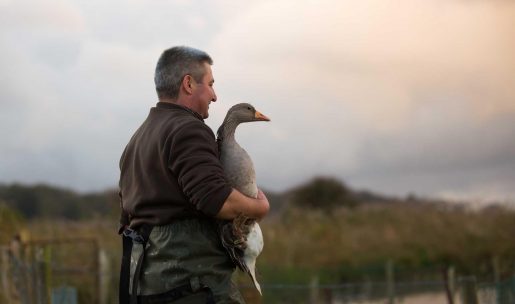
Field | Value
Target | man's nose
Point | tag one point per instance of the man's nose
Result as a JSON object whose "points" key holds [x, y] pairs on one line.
{"points": [[214, 97]]}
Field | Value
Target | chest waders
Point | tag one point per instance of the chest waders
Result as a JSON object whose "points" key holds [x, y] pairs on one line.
{"points": [[183, 262]]}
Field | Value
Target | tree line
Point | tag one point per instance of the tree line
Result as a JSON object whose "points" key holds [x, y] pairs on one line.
{"points": [[45, 201]]}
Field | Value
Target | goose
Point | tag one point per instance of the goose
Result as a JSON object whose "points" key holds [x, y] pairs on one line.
{"points": [[242, 237]]}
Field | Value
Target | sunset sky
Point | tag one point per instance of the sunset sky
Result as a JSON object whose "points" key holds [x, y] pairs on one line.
{"points": [[398, 97]]}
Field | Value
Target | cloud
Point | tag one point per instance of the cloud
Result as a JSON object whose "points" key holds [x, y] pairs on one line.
{"points": [[41, 15], [65, 97], [78, 79], [412, 97], [361, 87], [413, 46]]}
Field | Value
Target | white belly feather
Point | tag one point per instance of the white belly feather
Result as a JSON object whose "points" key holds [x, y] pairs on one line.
{"points": [[254, 247]]}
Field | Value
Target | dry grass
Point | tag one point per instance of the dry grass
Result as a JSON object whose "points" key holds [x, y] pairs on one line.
{"points": [[343, 245], [415, 237]]}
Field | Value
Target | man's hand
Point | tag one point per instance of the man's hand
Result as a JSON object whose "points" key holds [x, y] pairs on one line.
{"points": [[237, 203]]}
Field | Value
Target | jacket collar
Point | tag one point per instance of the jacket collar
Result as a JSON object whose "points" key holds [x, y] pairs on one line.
{"points": [[169, 105]]}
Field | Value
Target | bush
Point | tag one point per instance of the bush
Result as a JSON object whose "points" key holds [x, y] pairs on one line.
{"points": [[10, 223]]}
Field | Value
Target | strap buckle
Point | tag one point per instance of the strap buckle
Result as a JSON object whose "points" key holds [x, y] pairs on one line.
{"points": [[134, 235]]}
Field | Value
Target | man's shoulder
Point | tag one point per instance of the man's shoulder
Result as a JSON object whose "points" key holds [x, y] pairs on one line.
{"points": [[176, 118], [183, 123], [190, 126]]}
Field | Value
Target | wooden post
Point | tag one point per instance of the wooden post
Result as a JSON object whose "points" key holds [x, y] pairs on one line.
{"points": [[40, 279], [450, 283], [104, 276], [97, 286], [26, 264], [4, 268], [20, 282], [47, 264], [313, 290], [497, 279], [390, 283], [469, 292], [35, 278]]}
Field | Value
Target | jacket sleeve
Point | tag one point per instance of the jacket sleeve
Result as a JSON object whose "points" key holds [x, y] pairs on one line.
{"points": [[124, 216], [195, 163]]}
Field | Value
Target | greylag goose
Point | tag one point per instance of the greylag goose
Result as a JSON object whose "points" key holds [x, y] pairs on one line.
{"points": [[242, 237]]}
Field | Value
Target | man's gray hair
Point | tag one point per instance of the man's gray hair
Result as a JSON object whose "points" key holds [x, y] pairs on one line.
{"points": [[174, 64]]}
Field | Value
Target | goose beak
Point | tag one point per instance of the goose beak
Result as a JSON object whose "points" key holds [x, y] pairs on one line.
{"points": [[259, 116]]}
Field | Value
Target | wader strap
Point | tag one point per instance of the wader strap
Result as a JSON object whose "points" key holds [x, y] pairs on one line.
{"points": [[123, 290], [179, 292], [130, 237]]}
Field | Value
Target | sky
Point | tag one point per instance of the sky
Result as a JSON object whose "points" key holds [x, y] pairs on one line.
{"points": [[397, 97]]}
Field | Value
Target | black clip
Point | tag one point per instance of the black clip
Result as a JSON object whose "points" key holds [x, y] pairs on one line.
{"points": [[134, 235]]}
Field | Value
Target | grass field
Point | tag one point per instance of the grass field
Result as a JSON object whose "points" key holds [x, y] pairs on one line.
{"points": [[343, 245]]}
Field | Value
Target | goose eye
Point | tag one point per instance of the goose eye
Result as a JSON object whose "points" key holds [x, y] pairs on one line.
{"points": [[249, 108]]}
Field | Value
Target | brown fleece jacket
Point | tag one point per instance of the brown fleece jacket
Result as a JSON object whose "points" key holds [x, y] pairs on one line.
{"points": [[170, 169]]}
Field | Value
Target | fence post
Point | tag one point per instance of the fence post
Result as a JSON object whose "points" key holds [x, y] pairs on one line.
{"points": [[4, 268], [20, 286], [47, 263], [96, 261], [497, 279], [469, 292], [104, 276], [390, 283], [40, 276], [450, 283], [313, 290]]}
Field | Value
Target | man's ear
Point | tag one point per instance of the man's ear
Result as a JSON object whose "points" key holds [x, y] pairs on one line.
{"points": [[188, 83]]}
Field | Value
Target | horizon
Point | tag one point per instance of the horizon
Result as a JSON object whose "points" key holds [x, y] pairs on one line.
{"points": [[470, 203]]}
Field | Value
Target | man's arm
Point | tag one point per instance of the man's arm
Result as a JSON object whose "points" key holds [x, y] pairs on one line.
{"points": [[238, 203], [200, 174]]}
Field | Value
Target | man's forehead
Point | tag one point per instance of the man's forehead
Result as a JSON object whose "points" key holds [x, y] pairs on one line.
{"points": [[209, 72], [208, 68]]}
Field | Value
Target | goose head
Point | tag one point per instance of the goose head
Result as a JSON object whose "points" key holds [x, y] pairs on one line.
{"points": [[239, 113], [245, 112]]}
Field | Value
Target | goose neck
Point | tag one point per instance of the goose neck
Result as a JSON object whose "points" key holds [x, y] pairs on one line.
{"points": [[229, 128]]}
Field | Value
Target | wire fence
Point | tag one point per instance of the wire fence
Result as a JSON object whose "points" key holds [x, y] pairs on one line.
{"points": [[53, 271], [420, 292], [77, 271]]}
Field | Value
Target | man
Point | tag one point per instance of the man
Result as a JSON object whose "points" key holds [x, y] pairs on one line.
{"points": [[172, 190]]}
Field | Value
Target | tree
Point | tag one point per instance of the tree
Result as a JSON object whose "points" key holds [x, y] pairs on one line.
{"points": [[323, 193]]}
